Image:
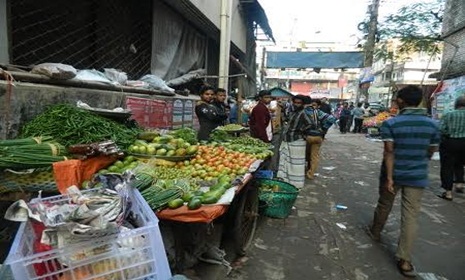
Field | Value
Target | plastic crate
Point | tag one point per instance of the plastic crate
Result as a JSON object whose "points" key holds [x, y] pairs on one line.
{"points": [[133, 254]]}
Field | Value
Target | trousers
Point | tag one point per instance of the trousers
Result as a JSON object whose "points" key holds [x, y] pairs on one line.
{"points": [[410, 208], [452, 154], [313, 154]]}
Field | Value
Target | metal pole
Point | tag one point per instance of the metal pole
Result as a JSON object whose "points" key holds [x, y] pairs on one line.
{"points": [[225, 42]]}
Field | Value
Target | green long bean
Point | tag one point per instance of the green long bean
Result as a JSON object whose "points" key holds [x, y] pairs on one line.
{"points": [[69, 125]]}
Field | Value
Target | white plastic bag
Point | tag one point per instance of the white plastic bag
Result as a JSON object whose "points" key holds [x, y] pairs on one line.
{"points": [[57, 71], [116, 76], [156, 82], [92, 76]]}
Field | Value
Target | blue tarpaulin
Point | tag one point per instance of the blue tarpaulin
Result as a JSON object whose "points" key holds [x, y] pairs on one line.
{"points": [[314, 59]]}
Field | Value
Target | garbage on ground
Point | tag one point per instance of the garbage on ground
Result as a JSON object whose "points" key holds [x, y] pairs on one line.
{"points": [[341, 207], [361, 183], [341, 226], [329, 168]]}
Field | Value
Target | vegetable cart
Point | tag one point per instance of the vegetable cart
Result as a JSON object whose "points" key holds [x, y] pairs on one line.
{"points": [[233, 224]]}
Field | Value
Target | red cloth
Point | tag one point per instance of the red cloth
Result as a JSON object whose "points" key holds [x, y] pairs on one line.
{"points": [[259, 120]]}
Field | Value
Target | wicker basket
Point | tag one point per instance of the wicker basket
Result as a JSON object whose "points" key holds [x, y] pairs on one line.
{"points": [[279, 203]]}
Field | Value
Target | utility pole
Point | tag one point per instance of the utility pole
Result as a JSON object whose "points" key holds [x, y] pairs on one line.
{"points": [[369, 47]]}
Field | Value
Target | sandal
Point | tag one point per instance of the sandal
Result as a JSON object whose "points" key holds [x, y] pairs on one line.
{"points": [[444, 196], [407, 272]]}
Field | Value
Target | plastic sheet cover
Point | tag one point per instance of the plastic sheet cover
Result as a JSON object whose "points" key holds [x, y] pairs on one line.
{"points": [[177, 47]]}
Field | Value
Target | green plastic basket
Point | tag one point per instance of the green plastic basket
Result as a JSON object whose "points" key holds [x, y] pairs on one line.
{"points": [[279, 203]]}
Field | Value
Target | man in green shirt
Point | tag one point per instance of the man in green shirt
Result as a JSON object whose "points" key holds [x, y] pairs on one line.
{"points": [[452, 148]]}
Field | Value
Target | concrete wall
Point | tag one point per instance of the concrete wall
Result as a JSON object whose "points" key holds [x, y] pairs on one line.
{"points": [[212, 10], [27, 100], [4, 55], [454, 32]]}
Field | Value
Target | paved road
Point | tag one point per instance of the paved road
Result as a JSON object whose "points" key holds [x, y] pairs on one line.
{"points": [[309, 244]]}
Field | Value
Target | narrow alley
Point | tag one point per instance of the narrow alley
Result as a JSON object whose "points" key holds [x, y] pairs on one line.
{"points": [[310, 244]]}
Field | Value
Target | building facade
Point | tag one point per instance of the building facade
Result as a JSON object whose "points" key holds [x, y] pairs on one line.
{"points": [[452, 74]]}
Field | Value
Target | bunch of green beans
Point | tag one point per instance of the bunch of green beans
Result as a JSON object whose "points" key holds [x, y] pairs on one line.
{"points": [[69, 125]]}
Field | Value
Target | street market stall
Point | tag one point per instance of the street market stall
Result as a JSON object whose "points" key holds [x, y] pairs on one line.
{"points": [[372, 124], [188, 185]]}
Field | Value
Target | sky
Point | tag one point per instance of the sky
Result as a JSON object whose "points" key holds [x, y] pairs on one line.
{"points": [[322, 20]]}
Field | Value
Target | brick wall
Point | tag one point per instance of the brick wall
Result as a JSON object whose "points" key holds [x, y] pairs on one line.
{"points": [[453, 33]]}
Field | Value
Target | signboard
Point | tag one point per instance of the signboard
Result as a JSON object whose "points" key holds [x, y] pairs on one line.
{"points": [[158, 117], [140, 108], [178, 111], [188, 113], [151, 113], [445, 99]]}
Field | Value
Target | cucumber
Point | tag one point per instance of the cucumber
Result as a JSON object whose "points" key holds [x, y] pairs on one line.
{"points": [[187, 196], [175, 203], [209, 199], [194, 203]]}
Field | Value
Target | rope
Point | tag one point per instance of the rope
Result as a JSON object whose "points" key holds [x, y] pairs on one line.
{"points": [[54, 149]]}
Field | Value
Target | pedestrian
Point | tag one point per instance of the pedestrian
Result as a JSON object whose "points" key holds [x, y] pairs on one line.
{"points": [[344, 116], [325, 106], [277, 123], [219, 103], [350, 122], [452, 148], [292, 151], [320, 123], [410, 139], [358, 118], [207, 113], [260, 118]]}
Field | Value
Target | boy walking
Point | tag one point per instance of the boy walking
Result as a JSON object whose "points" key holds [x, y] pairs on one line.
{"points": [[410, 139]]}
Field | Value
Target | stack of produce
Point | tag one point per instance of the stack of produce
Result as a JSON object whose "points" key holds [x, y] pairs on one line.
{"points": [[212, 162], [30, 153], [164, 146], [250, 145], [377, 120], [69, 125], [231, 127]]}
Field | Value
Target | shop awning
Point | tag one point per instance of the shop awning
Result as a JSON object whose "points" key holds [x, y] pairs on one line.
{"points": [[314, 59], [255, 13]]}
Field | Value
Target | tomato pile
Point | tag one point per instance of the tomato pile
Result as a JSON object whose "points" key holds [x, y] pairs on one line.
{"points": [[212, 162]]}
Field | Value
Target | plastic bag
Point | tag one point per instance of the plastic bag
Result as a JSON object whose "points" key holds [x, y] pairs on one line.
{"points": [[116, 76], [57, 71], [155, 82], [92, 76]]}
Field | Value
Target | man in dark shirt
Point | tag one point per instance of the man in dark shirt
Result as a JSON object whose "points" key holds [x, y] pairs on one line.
{"points": [[325, 107], [260, 118], [207, 114], [219, 103]]}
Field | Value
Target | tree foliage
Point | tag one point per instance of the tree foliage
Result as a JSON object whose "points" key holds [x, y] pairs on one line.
{"points": [[413, 28]]}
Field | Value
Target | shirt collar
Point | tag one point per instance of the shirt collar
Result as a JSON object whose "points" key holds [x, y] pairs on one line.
{"points": [[413, 111]]}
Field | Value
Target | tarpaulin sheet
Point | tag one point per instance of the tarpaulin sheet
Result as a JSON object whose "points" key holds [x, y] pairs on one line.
{"points": [[314, 59], [177, 47]]}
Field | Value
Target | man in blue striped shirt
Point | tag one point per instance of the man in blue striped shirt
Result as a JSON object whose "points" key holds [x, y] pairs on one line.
{"points": [[410, 139]]}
